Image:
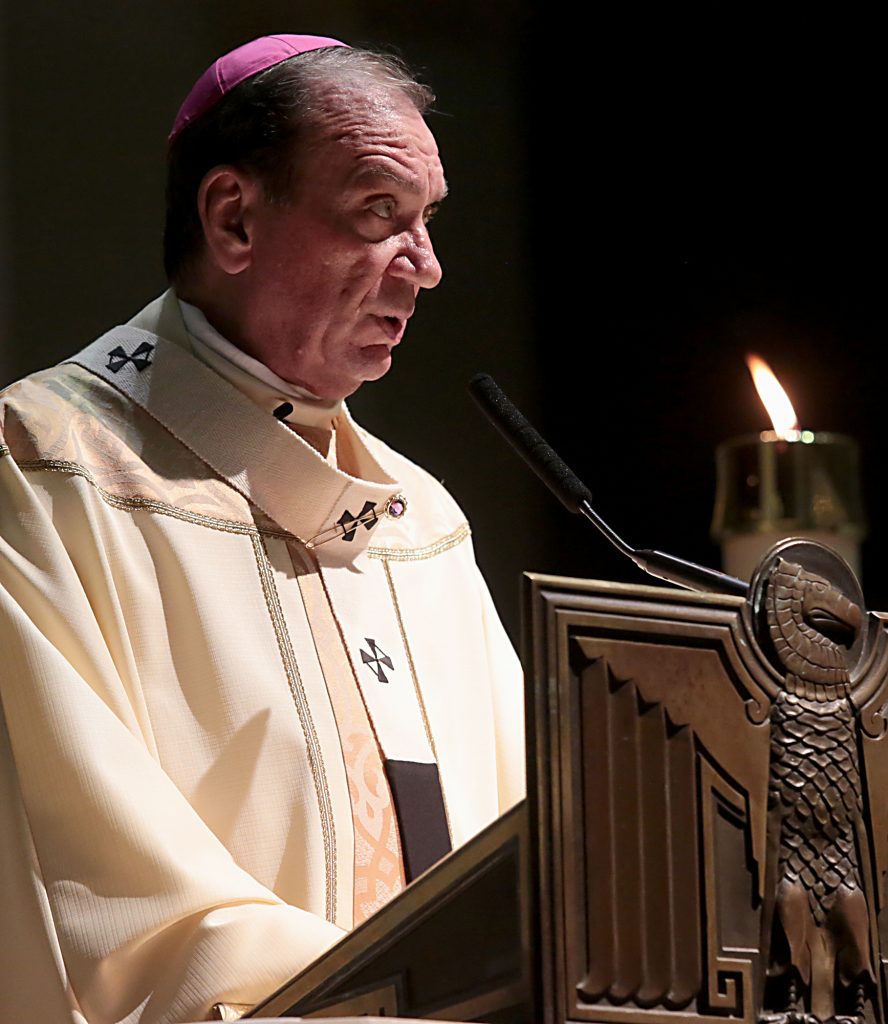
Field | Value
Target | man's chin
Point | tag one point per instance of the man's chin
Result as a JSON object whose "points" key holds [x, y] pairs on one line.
{"points": [[377, 361], [373, 363]]}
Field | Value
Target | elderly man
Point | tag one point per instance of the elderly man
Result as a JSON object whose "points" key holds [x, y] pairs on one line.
{"points": [[252, 681]]}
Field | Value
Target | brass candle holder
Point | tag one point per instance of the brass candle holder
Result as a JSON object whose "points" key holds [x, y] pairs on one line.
{"points": [[771, 487], [785, 482]]}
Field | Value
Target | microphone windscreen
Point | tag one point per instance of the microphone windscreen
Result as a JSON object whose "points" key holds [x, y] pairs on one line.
{"points": [[527, 442]]}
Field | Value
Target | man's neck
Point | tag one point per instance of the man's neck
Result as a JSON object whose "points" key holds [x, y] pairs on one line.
{"points": [[311, 417]]}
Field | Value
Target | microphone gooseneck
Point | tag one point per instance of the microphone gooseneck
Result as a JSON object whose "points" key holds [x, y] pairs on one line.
{"points": [[541, 457], [576, 496]]}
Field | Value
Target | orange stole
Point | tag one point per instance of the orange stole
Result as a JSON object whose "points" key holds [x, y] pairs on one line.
{"points": [[379, 868]]}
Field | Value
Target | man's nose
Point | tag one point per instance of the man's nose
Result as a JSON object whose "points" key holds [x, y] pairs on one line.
{"points": [[416, 260]]}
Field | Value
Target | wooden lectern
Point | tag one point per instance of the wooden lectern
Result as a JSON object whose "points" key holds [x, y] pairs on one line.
{"points": [[705, 837]]}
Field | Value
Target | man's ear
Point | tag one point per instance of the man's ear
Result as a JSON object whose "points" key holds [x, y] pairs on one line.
{"points": [[226, 203]]}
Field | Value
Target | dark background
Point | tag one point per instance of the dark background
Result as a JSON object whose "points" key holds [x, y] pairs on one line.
{"points": [[634, 205]]}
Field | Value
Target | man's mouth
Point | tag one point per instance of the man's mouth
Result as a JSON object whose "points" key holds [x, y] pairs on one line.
{"points": [[393, 326]]}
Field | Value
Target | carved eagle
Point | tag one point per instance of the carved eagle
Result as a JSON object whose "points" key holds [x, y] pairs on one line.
{"points": [[820, 939]]}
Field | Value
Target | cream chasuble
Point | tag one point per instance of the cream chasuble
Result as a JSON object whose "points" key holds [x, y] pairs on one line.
{"points": [[212, 639]]}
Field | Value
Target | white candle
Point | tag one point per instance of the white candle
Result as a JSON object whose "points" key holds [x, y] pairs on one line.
{"points": [[771, 487]]}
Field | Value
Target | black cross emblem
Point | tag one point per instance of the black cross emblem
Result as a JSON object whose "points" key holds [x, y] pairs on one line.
{"points": [[368, 516], [376, 659], [141, 358]]}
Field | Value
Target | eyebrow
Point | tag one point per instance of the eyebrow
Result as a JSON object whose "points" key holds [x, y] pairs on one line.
{"points": [[368, 174]]}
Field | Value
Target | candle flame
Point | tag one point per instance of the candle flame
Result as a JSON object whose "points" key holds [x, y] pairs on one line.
{"points": [[773, 397]]}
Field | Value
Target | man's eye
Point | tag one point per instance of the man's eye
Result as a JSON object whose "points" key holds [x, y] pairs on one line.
{"points": [[429, 212], [384, 208]]}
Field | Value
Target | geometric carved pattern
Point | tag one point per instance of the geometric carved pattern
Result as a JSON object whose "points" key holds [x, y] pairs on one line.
{"points": [[662, 826], [732, 932], [665, 782], [641, 879]]}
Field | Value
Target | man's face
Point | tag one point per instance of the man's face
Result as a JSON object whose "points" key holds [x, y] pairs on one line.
{"points": [[335, 273]]}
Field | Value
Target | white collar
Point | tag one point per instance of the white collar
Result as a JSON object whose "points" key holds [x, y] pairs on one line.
{"points": [[253, 378]]}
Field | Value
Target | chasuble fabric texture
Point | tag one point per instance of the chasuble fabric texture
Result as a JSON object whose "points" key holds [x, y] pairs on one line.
{"points": [[242, 689]]}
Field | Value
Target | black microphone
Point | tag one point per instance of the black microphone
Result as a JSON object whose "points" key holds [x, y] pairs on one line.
{"points": [[576, 496], [542, 459]]}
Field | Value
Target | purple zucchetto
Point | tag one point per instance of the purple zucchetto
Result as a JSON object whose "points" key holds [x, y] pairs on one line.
{"points": [[235, 67]]}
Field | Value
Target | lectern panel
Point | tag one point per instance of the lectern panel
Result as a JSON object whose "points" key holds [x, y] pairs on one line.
{"points": [[708, 848]]}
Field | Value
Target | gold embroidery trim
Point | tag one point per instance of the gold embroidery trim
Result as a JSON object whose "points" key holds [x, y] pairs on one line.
{"points": [[134, 502], [147, 504], [315, 754], [460, 534], [422, 708]]}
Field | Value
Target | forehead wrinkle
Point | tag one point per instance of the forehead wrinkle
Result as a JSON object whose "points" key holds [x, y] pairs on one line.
{"points": [[371, 174], [385, 139], [352, 115], [345, 110], [410, 184]]}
